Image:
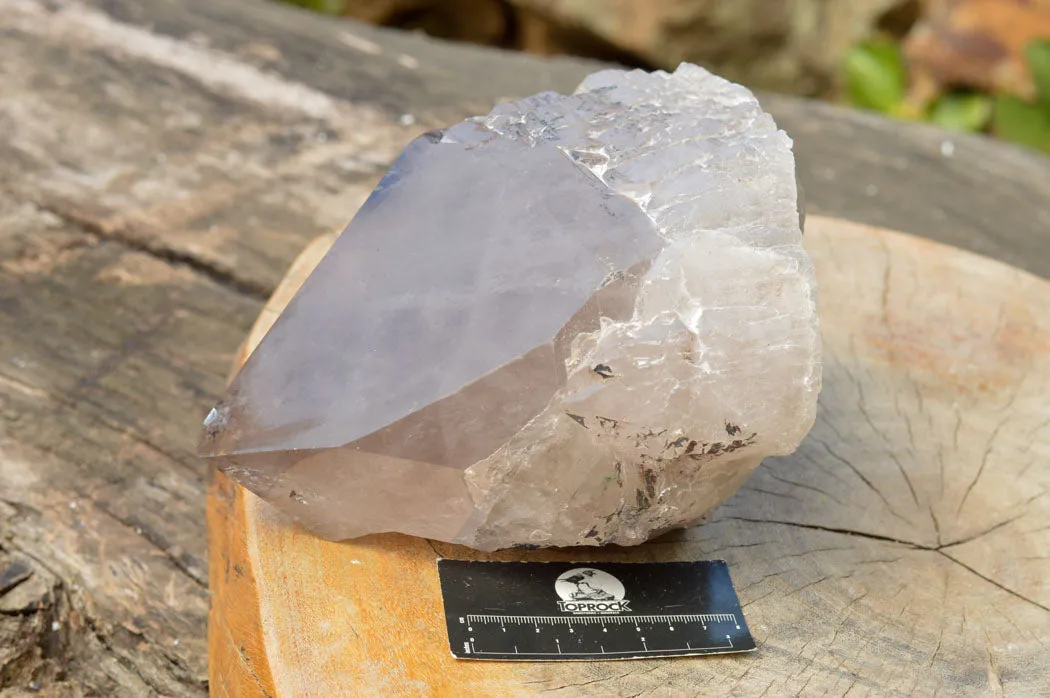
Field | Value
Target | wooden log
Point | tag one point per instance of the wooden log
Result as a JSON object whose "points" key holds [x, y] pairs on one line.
{"points": [[162, 165], [902, 550]]}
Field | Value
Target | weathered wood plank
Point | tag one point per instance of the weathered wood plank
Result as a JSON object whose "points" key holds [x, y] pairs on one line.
{"points": [[268, 99], [275, 121], [107, 357], [161, 166]]}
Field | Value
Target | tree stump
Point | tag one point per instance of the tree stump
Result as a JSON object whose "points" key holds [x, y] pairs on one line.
{"points": [[902, 550]]}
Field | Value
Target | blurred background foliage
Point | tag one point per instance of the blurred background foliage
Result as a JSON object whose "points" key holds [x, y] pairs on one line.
{"points": [[966, 65]]}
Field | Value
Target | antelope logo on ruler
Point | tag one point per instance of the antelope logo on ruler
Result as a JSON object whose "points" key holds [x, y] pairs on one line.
{"points": [[585, 590]]}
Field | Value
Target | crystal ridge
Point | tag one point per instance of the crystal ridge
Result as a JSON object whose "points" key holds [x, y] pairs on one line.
{"points": [[579, 319]]}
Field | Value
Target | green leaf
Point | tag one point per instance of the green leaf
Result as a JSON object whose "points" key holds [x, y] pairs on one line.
{"points": [[1037, 54], [962, 111], [875, 75], [328, 7], [1022, 122]]}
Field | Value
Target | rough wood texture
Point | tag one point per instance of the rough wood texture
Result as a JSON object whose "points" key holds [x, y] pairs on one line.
{"points": [[162, 164], [901, 551]]}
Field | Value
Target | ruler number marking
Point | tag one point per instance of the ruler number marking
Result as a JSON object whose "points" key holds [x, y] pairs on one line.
{"points": [[636, 621], [618, 620]]}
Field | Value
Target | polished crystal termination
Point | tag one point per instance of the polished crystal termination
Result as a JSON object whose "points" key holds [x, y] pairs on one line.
{"points": [[578, 320]]}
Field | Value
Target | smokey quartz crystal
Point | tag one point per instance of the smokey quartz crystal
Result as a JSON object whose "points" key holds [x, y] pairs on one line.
{"points": [[580, 319]]}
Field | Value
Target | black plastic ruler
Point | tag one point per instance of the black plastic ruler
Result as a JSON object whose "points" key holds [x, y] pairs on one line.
{"points": [[544, 611]]}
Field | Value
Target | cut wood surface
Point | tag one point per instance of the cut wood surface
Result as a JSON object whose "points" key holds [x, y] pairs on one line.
{"points": [[901, 551], [162, 163]]}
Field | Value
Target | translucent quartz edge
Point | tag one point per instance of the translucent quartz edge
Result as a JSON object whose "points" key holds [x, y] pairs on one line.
{"points": [[626, 130]]}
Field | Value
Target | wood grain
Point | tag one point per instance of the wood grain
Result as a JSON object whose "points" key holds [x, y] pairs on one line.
{"points": [[901, 551], [162, 165]]}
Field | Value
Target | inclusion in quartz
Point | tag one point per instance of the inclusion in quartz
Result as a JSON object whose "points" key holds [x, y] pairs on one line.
{"points": [[578, 320]]}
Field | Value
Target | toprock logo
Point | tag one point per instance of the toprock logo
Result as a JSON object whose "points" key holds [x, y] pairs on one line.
{"points": [[586, 590]]}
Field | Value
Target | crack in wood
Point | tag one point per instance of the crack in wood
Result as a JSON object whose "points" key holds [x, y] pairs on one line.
{"points": [[246, 663], [103, 416], [991, 581], [217, 273], [147, 535], [804, 486], [68, 605], [92, 625], [1008, 413], [911, 544], [863, 478], [970, 539]]}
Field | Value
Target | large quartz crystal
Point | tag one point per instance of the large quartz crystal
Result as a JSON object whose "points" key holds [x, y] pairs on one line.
{"points": [[578, 320]]}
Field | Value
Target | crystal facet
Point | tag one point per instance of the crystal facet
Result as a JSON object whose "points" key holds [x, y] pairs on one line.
{"points": [[580, 319]]}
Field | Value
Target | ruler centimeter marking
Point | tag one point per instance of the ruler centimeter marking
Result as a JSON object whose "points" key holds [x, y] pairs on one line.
{"points": [[636, 620], [632, 653], [621, 619]]}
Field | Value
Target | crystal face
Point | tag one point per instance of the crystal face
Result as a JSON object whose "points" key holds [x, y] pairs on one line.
{"points": [[578, 320]]}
